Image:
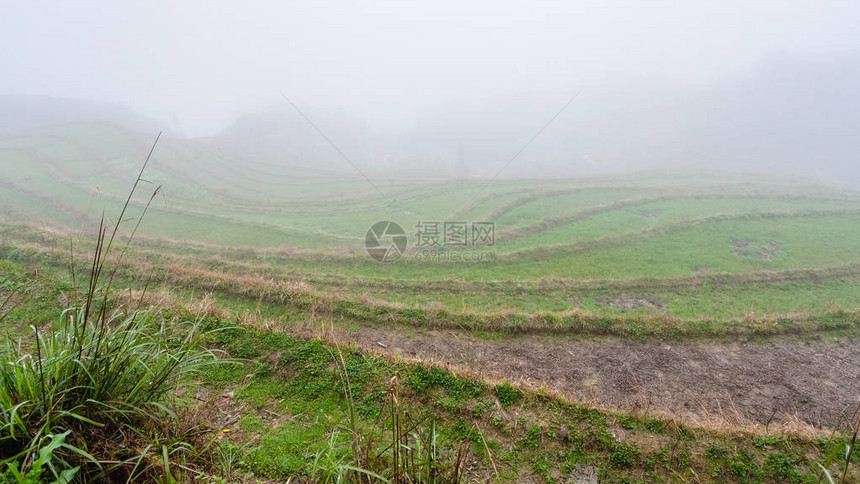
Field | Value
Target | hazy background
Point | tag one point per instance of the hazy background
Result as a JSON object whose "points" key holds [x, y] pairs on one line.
{"points": [[455, 87]]}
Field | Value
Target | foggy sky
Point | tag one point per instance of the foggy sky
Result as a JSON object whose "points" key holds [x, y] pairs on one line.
{"points": [[726, 82], [197, 65]]}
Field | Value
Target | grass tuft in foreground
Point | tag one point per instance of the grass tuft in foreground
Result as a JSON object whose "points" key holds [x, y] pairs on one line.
{"points": [[92, 396]]}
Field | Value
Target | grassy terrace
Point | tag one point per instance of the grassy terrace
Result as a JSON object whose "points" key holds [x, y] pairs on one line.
{"points": [[267, 263], [720, 298], [281, 407]]}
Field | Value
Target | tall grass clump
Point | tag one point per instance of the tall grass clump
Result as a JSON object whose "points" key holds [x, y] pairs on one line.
{"points": [[92, 396], [408, 449]]}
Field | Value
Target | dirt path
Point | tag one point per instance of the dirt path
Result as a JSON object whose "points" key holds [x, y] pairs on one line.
{"points": [[816, 382]]}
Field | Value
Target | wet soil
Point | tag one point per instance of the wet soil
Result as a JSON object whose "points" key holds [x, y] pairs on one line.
{"points": [[816, 382]]}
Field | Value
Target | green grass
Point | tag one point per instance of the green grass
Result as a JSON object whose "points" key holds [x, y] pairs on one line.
{"points": [[93, 394], [645, 216], [296, 412], [684, 256], [83, 166], [527, 434], [811, 296], [631, 228], [805, 242], [718, 297]]}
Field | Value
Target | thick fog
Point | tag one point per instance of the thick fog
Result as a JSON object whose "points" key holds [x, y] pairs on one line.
{"points": [[455, 87]]}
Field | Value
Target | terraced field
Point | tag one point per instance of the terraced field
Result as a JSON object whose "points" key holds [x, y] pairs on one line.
{"points": [[719, 300]]}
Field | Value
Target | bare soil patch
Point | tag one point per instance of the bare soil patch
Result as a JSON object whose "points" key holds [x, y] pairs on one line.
{"points": [[755, 249], [743, 382], [626, 303], [647, 214]]}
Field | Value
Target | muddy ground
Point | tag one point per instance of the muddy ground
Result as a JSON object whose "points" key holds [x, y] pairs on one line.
{"points": [[742, 382]]}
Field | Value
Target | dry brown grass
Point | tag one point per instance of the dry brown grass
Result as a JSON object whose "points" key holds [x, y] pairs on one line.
{"points": [[728, 422]]}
